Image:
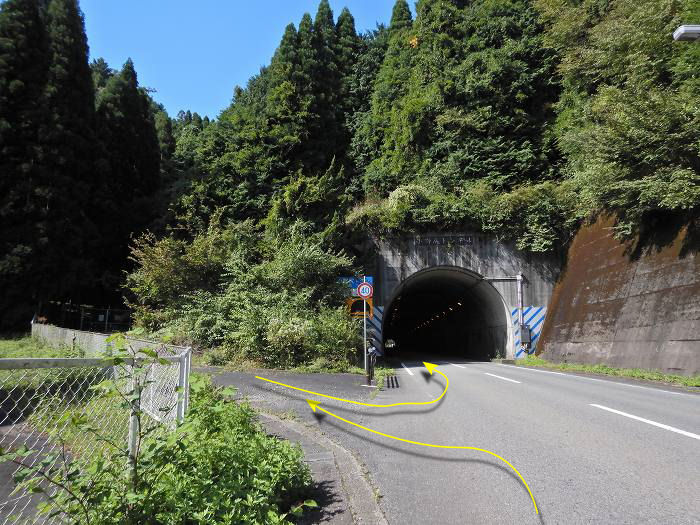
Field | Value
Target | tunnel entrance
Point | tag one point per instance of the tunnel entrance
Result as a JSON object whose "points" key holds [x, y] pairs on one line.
{"points": [[447, 311]]}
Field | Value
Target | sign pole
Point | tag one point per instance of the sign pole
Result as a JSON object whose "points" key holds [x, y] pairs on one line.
{"points": [[365, 290], [364, 317]]}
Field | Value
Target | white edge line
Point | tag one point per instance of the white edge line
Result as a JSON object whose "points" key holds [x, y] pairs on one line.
{"points": [[458, 366], [609, 381], [407, 369], [501, 377], [648, 421]]}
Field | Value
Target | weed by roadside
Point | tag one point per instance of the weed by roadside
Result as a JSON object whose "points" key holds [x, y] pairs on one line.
{"points": [[27, 346], [322, 365], [381, 372], [318, 366], [637, 373]]}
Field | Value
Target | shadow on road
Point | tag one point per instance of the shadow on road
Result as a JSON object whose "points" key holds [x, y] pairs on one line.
{"points": [[299, 396], [322, 419]]}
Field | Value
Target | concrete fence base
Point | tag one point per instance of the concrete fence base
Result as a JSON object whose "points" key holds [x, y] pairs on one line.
{"points": [[92, 344]]}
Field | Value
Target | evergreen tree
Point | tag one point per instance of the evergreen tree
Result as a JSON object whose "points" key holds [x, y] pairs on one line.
{"points": [[325, 140], [23, 71], [101, 73], [373, 46], [126, 127], [347, 54], [197, 120], [287, 107], [69, 141], [373, 142], [401, 17], [464, 94], [164, 131]]}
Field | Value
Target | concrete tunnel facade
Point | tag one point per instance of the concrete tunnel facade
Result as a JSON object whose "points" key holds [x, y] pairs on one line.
{"points": [[457, 294], [451, 311]]}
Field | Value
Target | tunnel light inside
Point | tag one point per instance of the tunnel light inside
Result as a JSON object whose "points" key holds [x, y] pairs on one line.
{"points": [[448, 310]]}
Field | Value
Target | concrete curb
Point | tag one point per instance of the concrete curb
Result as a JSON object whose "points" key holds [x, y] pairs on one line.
{"points": [[354, 477], [504, 361]]}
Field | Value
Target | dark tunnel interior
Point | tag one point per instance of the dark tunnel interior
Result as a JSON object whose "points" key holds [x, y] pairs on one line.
{"points": [[446, 311]]}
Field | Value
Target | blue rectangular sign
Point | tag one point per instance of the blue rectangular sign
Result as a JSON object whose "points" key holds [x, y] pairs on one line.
{"points": [[354, 282]]}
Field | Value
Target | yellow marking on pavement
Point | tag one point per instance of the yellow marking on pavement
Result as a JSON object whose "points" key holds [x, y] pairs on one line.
{"points": [[316, 406], [430, 366]]}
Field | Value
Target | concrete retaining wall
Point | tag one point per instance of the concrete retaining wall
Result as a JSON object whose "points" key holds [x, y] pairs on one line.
{"points": [[92, 343], [633, 304]]}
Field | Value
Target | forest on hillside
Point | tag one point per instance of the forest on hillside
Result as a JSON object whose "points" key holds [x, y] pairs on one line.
{"points": [[522, 118]]}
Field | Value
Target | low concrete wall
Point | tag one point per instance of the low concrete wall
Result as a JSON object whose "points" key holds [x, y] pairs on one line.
{"points": [[633, 304], [92, 343]]}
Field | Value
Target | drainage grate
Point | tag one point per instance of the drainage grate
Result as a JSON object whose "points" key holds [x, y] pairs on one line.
{"points": [[392, 382]]}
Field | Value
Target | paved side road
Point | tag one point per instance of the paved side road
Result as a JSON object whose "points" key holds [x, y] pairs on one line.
{"points": [[591, 450]]}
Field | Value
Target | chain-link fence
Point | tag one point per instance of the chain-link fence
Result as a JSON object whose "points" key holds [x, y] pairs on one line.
{"points": [[39, 398]]}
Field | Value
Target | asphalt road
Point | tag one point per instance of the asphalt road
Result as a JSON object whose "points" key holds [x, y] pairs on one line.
{"points": [[591, 450]]}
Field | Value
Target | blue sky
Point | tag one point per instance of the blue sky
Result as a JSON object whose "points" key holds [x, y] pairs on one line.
{"points": [[194, 53]]}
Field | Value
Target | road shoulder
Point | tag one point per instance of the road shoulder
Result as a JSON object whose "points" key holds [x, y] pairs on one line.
{"points": [[341, 484], [611, 378]]}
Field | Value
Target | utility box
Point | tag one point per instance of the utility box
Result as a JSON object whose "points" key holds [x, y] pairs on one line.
{"points": [[525, 335]]}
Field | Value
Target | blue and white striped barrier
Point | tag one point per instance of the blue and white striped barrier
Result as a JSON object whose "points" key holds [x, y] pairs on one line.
{"points": [[374, 323], [533, 316]]}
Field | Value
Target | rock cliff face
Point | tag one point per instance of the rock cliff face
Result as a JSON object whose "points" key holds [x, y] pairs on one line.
{"points": [[630, 304]]}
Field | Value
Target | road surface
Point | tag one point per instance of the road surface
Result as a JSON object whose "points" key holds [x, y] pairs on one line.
{"points": [[592, 450]]}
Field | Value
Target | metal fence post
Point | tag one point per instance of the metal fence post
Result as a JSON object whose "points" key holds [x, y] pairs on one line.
{"points": [[187, 378], [134, 421], [181, 398]]}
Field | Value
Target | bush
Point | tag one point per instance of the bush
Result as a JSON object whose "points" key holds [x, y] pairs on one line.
{"points": [[276, 301], [217, 467], [539, 217]]}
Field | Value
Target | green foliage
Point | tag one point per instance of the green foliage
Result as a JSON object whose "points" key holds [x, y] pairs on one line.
{"points": [[69, 174], [512, 117], [46, 113], [219, 466], [539, 217], [23, 71], [463, 94], [271, 299], [293, 118], [629, 114], [31, 347]]}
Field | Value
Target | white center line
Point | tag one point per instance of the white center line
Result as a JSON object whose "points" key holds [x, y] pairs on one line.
{"points": [[660, 425], [407, 369], [459, 366], [609, 381], [501, 377]]}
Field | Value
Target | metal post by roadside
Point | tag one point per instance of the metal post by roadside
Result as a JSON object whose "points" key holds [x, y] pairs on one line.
{"points": [[134, 421], [364, 345]]}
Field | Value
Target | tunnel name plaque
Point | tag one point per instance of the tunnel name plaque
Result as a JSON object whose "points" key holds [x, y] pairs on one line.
{"points": [[444, 240]]}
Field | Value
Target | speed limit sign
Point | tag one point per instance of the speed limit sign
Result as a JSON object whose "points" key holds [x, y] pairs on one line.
{"points": [[365, 290]]}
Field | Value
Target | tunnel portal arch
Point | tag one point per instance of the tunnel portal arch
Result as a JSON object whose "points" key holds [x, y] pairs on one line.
{"points": [[449, 310]]}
